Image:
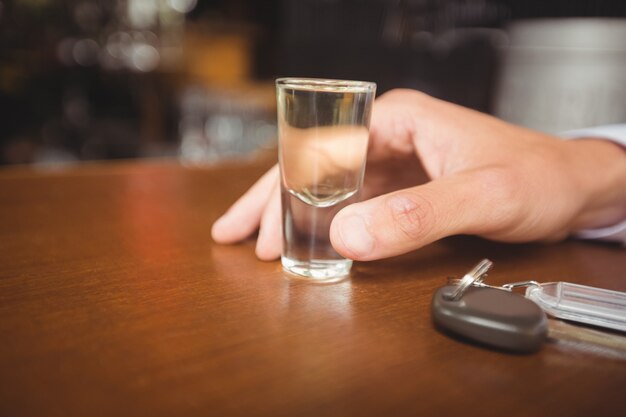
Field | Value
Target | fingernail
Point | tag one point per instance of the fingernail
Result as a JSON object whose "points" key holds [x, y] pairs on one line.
{"points": [[355, 235]]}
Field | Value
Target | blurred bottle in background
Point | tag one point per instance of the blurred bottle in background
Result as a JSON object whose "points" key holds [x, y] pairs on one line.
{"points": [[85, 76], [563, 74], [92, 80]]}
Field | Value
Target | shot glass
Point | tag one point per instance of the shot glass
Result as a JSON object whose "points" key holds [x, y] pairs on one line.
{"points": [[323, 130]]}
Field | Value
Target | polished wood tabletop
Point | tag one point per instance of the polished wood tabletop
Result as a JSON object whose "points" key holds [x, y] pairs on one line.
{"points": [[114, 301]]}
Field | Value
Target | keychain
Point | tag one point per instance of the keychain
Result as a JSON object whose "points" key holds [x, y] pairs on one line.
{"points": [[499, 317]]}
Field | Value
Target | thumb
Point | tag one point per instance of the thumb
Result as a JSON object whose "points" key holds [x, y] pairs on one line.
{"points": [[396, 223]]}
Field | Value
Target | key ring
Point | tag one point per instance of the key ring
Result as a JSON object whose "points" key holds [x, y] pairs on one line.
{"points": [[474, 277]]}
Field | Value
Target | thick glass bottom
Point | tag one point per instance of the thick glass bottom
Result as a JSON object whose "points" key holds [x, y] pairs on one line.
{"points": [[317, 270]]}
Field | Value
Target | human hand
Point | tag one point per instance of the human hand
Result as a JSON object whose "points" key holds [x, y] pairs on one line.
{"points": [[488, 178]]}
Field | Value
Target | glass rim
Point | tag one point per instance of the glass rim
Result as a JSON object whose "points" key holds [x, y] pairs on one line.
{"points": [[326, 84]]}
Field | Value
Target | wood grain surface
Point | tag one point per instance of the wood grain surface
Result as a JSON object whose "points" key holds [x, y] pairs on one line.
{"points": [[114, 301]]}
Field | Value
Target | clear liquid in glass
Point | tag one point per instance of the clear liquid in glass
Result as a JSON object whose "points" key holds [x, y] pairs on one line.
{"points": [[323, 138]]}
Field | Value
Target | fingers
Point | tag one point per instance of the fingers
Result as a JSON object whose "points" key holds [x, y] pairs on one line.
{"points": [[393, 125], [269, 243], [309, 156], [405, 220], [244, 217]]}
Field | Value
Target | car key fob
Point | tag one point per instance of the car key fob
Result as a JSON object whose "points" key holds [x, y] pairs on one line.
{"points": [[493, 317]]}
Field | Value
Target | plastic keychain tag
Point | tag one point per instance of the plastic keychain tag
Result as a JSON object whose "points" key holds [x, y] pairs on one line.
{"points": [[582, 304]]}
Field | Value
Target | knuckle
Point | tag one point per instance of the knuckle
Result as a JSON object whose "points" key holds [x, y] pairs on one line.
{"points": [[402, 95], [412, 215], [501, 184], [503, 189]]}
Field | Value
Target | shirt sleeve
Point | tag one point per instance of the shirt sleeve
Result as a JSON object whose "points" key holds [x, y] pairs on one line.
{"points": [[615, 133]]}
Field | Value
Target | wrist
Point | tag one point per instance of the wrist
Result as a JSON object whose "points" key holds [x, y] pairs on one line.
{"points": [[599, 169]]}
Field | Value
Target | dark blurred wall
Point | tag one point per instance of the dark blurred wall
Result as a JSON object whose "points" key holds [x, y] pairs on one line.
{"points": [[448, 48]]}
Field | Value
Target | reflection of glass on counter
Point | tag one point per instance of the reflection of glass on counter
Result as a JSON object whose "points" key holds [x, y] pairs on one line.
{"points": [[224, 125]]}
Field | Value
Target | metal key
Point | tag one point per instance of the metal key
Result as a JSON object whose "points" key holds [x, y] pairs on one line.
{"points": [[498, 317]]}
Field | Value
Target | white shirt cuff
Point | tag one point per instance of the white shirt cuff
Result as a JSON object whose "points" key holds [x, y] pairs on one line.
{"points": [[615, 133]]}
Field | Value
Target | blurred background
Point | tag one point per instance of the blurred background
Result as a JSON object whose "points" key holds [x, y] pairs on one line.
{"points": [[191, 79]]}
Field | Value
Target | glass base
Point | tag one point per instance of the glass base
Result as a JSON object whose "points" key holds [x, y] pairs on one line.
{"points": [[317, 270]]}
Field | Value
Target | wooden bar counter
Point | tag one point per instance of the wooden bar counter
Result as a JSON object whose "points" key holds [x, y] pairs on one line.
{"points": [[114, 301]]}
